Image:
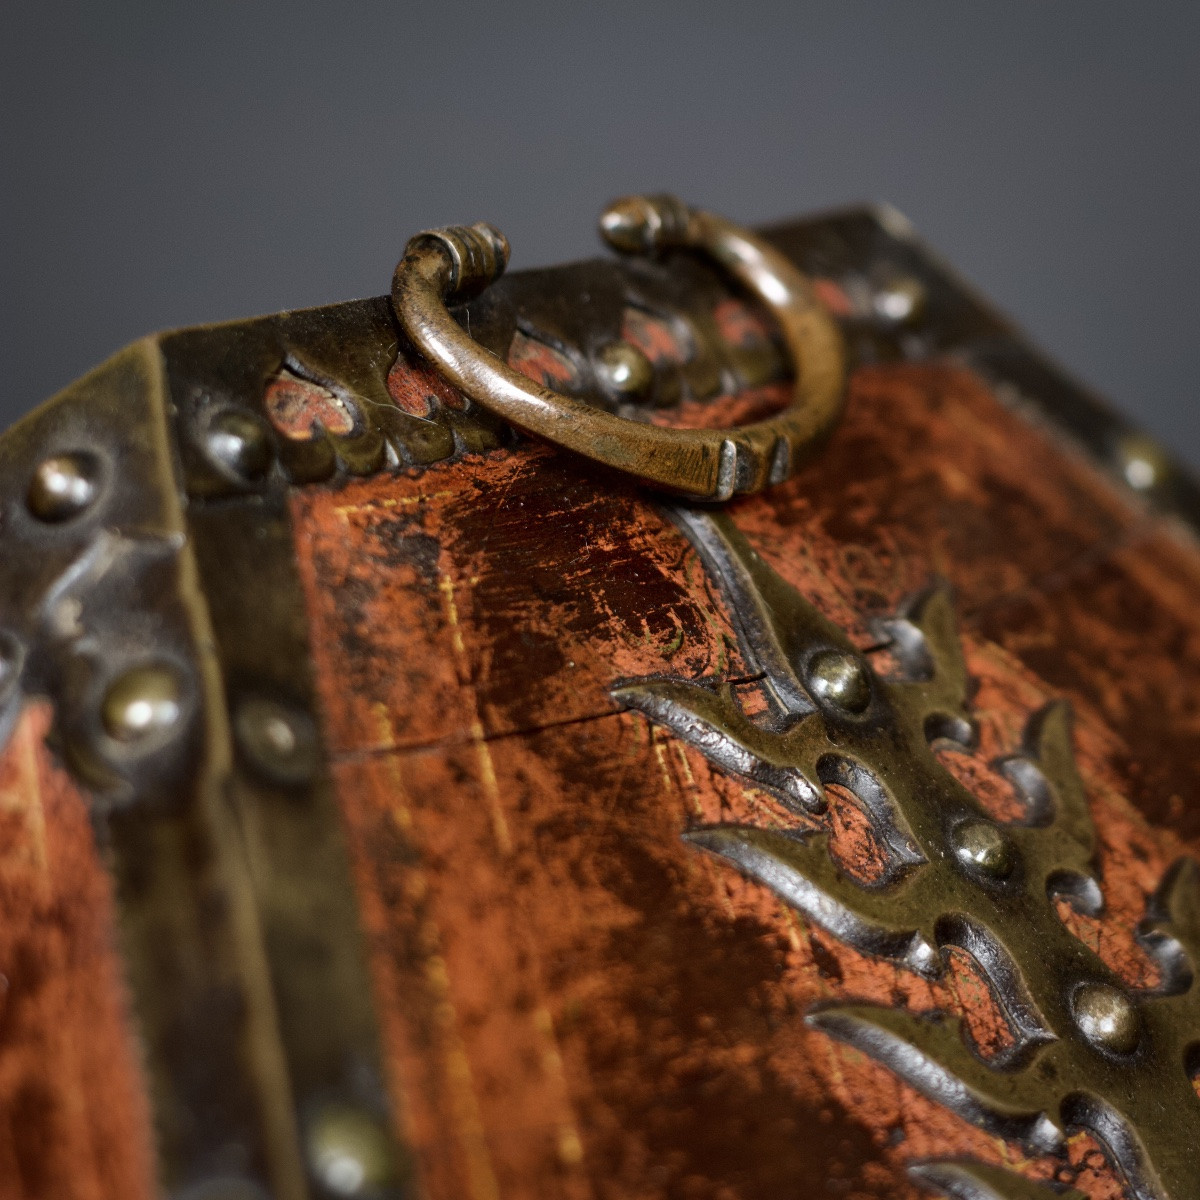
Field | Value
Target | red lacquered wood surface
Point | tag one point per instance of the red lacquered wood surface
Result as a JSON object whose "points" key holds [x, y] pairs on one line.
{"points": [[575, 1003], [74, 1116]]}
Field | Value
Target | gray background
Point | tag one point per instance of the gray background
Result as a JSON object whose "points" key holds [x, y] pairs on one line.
{"points": [[172, 163]]}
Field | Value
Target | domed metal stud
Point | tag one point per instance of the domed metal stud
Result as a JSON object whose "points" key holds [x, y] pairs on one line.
{"points": [[239, 442], [142, 705], [1107, 1017], [900, 301], [280, 741], [1142, 463], [841, 680], [63, 486], [986, 848], [624, 370], [349, 1151]]}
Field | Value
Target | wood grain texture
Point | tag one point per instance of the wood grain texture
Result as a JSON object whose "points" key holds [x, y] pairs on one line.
{"points": [[74, 1118], [575, 1003]]}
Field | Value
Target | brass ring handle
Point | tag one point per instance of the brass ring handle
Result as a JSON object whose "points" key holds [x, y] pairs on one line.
{"points": [[706, 464]]}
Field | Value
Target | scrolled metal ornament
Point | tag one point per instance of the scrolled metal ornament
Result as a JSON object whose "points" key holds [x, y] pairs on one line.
{"points": [[1088, 1051], [451, 265]]}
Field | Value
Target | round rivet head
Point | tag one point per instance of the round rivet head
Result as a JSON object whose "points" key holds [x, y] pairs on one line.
{"points": [[624, 370], [280, 741], [840, 679], [239, 442], [986, 848], [143, 704], [1107, 1017], [63, 486], [1142, 463], [349, 1151], [900, 301]]}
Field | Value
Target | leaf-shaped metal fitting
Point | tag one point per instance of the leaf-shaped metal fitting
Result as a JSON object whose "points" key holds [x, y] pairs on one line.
{"points": [[931, 1053], [924, 641], [1087, 1051], [978, 1181], [798, 869], [715, 721]]}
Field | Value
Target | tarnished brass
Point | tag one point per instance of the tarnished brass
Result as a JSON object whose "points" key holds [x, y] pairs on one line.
{"points": [[149, 589], [279, 741], [169, 632], [351, 1153], [62, 486], [625, 369], [142, 704], [1088, 1052], [708, 464], [978, 1181], [146, 521]]}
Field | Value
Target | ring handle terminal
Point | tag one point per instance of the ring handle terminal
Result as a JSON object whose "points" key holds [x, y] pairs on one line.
{"points": [[451, 265]]}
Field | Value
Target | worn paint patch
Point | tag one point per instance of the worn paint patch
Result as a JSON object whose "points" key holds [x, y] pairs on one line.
{"points": [[741, 325], [302, 410], [504, 590], [541, 362], [417, 389], [658, 339]]}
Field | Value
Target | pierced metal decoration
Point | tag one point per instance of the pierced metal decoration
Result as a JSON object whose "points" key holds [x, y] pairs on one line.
{"points": [[1088, 1052]]}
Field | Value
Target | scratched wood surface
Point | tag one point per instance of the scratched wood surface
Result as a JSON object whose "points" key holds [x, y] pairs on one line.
{"points": [[576, 1004]]}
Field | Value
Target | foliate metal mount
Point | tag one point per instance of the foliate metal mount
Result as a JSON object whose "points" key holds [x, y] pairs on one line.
{"points": [[1087, 1051]]}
